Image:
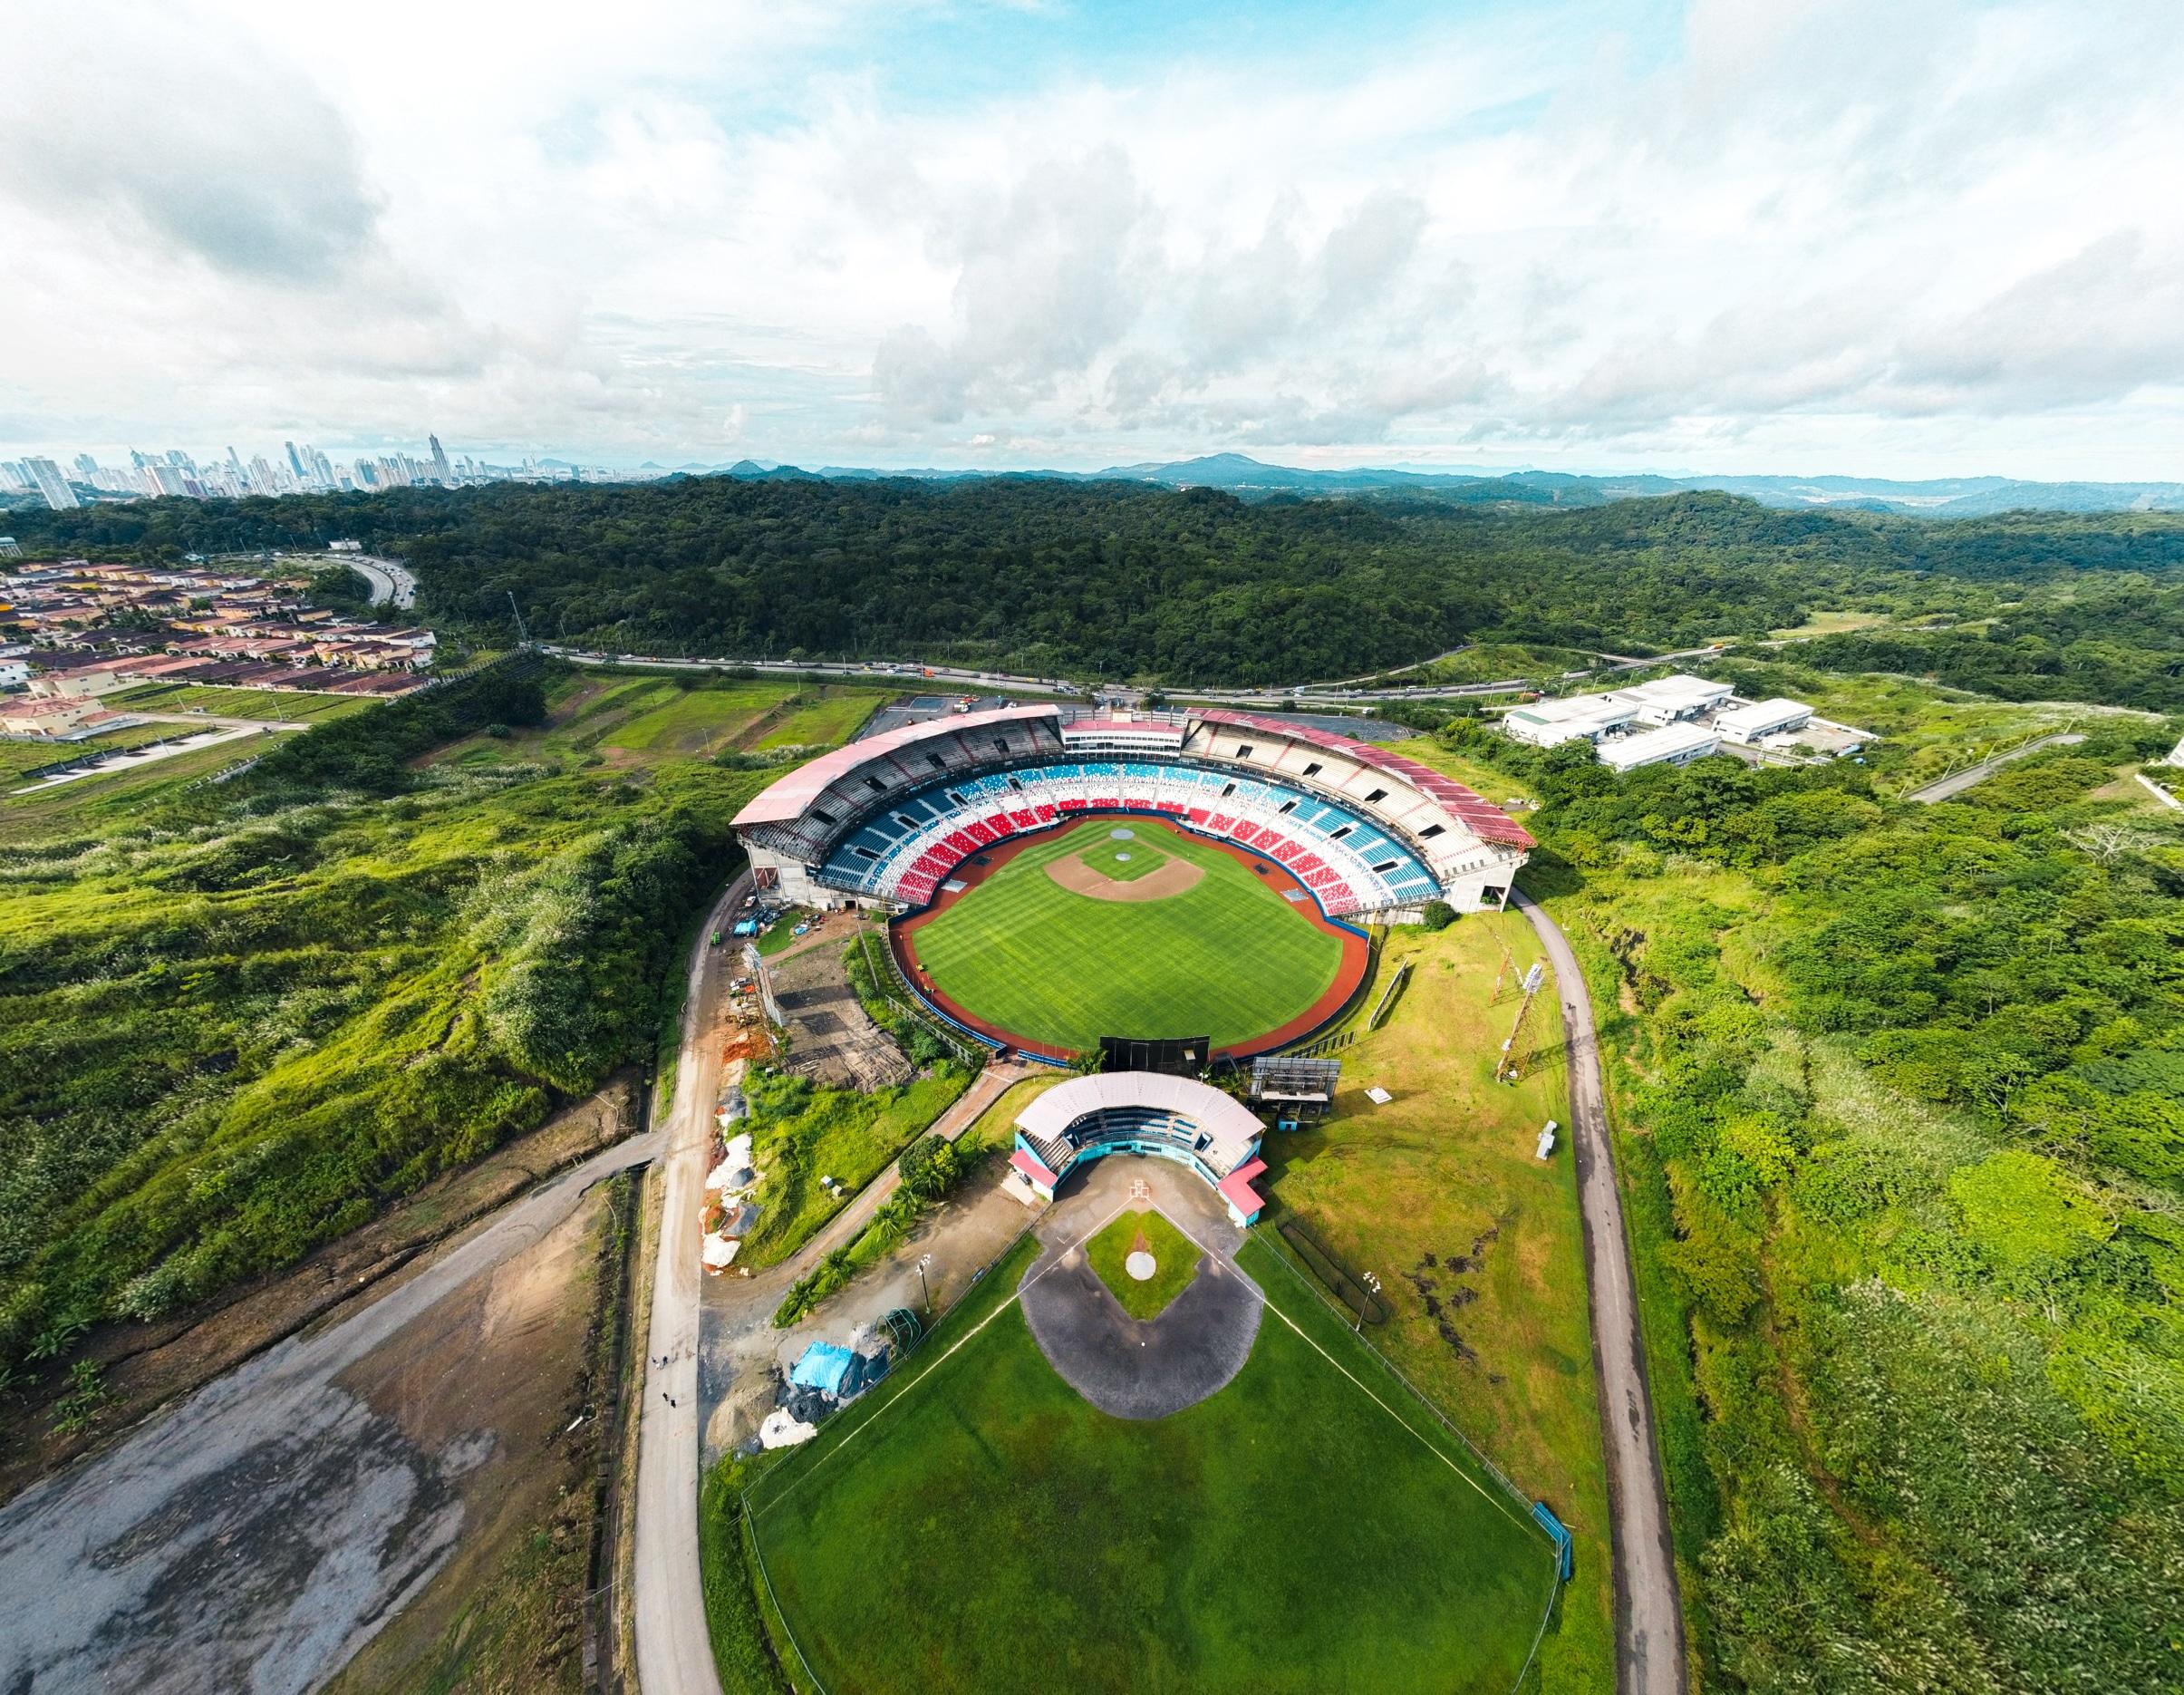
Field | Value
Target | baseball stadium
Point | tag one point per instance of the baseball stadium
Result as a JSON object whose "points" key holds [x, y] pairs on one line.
{"points": [[1058, 876], [1145, 1449]]}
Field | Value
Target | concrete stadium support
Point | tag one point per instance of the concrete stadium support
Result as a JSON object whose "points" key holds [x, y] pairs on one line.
{"points": [[884, 821]]}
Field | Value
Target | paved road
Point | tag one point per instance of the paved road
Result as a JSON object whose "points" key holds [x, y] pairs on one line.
{"points": [[675, 1653], [389, 581], [1957, 782], [1649, 1610], [259, 1532]]}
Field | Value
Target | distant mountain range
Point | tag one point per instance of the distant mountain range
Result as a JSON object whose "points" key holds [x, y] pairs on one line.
{"points": [[1239, 474]]}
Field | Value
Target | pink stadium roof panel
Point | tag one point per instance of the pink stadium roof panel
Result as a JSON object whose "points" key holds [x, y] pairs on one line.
{"points": [[1486, 820], [784, 801], [1123, 726], [1033, 1171]]}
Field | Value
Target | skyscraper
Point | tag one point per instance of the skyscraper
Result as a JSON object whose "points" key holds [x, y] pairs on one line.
{"points": [[294, 462], [442, 470], [87, 467], [52, 484]]}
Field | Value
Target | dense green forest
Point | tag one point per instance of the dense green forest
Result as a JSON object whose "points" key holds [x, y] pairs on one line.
{"points": [[1122, 580], [1900, 1102], [245, 1019]]}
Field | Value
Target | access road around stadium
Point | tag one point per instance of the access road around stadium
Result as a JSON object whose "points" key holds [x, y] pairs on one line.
{"points": [[1649, 1609], [674, 1649]]}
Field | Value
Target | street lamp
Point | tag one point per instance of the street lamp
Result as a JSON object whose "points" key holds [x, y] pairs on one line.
{"points": [[924, 1260], [1373, 1284]]}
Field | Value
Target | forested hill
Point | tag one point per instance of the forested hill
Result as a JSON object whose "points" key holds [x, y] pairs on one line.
{"points": [[1121, 580]]}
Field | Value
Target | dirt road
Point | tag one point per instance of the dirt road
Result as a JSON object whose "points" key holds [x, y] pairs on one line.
{"points": [[1648, 1610], [675, 1653], [253, 1538]]}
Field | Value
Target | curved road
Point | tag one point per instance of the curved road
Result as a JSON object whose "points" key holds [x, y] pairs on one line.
{"points": [[389, 581], [1648, 1610]]}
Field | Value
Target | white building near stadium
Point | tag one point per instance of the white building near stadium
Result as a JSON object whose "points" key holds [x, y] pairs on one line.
{"points": [[1577, 717], [885, 821], [1752, 723], [1673, 744], [1669, 699]]}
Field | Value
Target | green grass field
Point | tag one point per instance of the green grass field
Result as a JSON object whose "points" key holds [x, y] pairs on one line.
{"points": [[976, 1525], [827, 718], [286, 705], [1227, 956], [1174, 1258]]}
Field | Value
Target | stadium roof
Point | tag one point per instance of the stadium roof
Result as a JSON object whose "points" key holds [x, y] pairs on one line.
{"points": [[1233, 1125], [785, 800], [1486, 820]]}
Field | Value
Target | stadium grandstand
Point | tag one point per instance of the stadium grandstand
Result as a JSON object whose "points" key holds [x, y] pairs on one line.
{"points": [[1142, 1112], [884, 822]]}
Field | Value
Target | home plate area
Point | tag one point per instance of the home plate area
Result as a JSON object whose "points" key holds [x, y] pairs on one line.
{"points": [[1203, 1312]]}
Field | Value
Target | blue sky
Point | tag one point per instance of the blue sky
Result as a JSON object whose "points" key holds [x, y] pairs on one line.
{"points": [[1918, 238]]}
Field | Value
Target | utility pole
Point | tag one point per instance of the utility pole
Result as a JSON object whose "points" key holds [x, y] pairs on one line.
{"points": [[1502, 975], [1505, 1070], [924, 1260], [523, 637], [1372, 1283]]}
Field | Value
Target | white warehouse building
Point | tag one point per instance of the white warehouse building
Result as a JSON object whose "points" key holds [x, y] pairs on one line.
{"points": [[1673, 744], [1665, 700], [1550, 724], [1752, 723]]}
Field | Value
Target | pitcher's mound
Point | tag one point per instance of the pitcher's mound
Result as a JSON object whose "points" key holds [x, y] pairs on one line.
{"points": [[1140, 1265]]}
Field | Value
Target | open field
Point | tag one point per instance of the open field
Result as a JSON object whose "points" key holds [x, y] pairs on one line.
{"points": [[1477, 1244], [620, 720], [282, 705], [16, 757], [1174, 1259], [112, 797], [1227, 956], [827, 718], [976, 1525], [1830, 622]]}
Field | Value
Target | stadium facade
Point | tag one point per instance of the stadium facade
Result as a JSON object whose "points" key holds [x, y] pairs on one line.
{"points": [[1142, 1112], [885, 821]]}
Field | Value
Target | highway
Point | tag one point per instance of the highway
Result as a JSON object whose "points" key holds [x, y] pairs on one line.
{"points": [[389, 581], [1649, 1608]]}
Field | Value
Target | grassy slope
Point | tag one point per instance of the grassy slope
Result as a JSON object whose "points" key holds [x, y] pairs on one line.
{"points": [[829, 717], [218, 703], [1174, 1258], [1290, 1533], [231, 1040], [1447, 1161], [1227, 956]]}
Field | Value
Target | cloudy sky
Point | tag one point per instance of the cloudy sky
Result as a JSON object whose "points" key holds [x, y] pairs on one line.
{"points": [[1881, 236]]}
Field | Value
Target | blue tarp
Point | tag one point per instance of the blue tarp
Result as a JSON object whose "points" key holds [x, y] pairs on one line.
{"points": [[830, 1370]]}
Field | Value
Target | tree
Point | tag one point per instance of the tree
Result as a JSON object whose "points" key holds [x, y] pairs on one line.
{"points": [[930, 1167], [1438, 915]]}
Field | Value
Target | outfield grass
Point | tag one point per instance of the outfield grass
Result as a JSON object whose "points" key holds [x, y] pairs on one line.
{"points": [[1477, 1243], [1227, 956], [1310, 1527], [1174, 1260]]}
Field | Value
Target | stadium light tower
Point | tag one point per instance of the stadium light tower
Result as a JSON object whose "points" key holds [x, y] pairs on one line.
{"points": [[924, 1260], [1373, 1284]]}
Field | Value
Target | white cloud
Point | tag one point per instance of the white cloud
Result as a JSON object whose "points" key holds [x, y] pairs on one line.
{"points": [[1896, 235]]}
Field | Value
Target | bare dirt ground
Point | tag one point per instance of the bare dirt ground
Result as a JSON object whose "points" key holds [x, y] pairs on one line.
{"points": [[257, 1535], [830, 1039], [1163, 880], [149, 1366]]}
